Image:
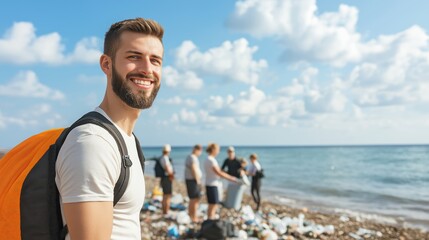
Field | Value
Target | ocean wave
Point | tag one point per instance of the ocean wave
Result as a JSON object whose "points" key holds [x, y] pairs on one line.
{"points": [[368, 216]]}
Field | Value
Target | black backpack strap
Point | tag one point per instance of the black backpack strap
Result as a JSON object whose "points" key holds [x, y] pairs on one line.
{"points": [[99, 120], [140, 153]]}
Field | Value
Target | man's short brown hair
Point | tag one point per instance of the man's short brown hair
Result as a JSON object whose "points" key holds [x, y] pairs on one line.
{"points": [[137, 25], [198, 147]]}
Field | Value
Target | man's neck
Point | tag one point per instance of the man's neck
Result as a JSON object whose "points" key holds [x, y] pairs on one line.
{"points": [[121, 114]]}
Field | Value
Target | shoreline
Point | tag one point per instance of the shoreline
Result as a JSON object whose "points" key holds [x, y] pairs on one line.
{"points": [[345, 226], [382, 218]]}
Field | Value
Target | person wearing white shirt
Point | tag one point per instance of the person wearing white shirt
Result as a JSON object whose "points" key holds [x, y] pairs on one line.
{"points": [[213, 175], [193, 181], [167, 179], [89, 163], [253, 171]]}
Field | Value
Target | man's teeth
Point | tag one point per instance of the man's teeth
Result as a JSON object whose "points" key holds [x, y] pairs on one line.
{"points": [[142, 82]]}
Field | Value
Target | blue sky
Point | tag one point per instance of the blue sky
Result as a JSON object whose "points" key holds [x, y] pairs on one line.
{"points": [[274, 72]]}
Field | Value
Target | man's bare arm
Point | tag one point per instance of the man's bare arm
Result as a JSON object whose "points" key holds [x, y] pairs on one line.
{"points": [[89, 220], [196, 173], [224, 174]]}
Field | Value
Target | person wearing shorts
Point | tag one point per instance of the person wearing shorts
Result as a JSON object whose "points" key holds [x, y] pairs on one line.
{"points": [[167, 179], [193, 181], [213, 175]]}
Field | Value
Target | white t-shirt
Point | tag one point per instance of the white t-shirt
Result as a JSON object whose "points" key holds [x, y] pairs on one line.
{"points": [[254, 167], [212, 179], [165, 162], [87, 169], [191, 160]]}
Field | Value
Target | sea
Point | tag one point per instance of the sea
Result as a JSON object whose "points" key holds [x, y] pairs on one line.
{"points": [[388, 184]]}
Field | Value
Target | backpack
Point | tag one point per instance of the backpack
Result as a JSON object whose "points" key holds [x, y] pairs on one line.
{"points": [[158, 169], [260, 174], [29, 198], [216, 229]]}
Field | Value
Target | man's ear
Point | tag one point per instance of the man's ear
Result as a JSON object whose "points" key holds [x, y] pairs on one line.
{"points": [[106, 64]]}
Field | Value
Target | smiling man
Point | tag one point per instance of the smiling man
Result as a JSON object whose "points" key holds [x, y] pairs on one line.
{"points": [[89, 163]]}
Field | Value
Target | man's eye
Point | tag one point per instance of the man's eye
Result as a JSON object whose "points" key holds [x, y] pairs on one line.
{"points": [[156, 62], [134, 57]]}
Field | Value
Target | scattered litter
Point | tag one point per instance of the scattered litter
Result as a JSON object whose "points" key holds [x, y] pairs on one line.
{"points": [[183, 218], [173, 231], [366, 233], [344, 218]]}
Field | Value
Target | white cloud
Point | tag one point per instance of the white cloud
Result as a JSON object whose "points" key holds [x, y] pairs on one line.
{"points": [[252, 107], [180, 101], [331, 97], [330, 100], [248, 102], [331, 37], [86, 51], [231, 60], [186, 116], [6, 121], [304, 99], [202, 119], [396, 74], [187, 80], [21, 45], [32, 116], [303, 33], [26, 84]]}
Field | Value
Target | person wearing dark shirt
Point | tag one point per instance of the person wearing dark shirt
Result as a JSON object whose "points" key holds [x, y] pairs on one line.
{"points": [[231, 163]]}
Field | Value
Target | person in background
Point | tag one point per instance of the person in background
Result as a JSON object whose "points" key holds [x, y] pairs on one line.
{"points": [[193, 181], [255, 170], [231, 163], [167, 179], [213, 175], [243, 166], [88, 163]]}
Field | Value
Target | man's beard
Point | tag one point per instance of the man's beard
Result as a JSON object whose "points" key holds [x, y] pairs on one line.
{"points": [[125, 93]]}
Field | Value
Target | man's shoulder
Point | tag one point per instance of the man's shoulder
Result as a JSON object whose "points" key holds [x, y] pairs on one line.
{"points": [[90, 134]]}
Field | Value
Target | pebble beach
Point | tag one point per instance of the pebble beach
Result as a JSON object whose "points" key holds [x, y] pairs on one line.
{"points": [[317, 225]]}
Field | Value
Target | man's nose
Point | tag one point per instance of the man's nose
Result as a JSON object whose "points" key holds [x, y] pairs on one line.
{"points": [[145, 66]]}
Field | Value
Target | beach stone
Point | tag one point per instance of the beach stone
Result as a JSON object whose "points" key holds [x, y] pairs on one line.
{"points": [[300, 224], [273, 212], [146, 236]]}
